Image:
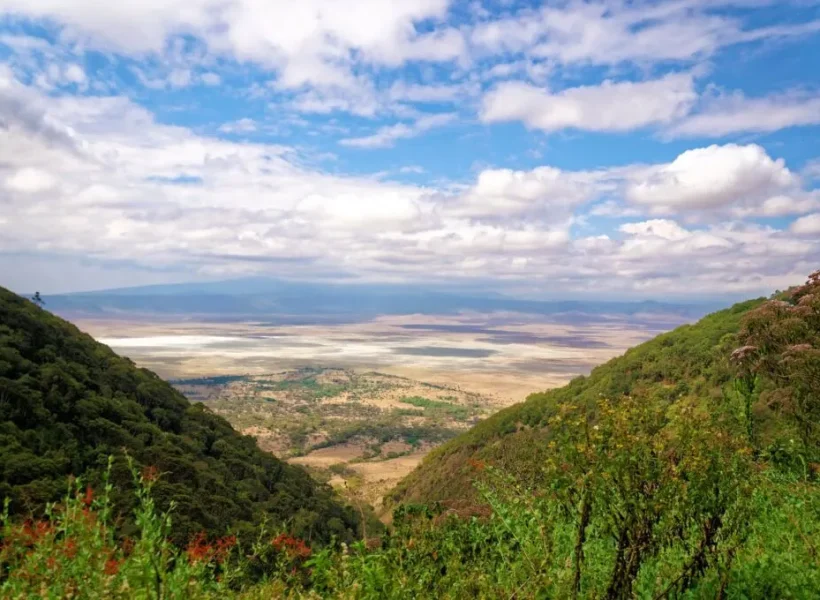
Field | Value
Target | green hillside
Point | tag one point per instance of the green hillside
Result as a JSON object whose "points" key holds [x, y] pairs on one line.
{"points": [[691, 361], [68, 402]]}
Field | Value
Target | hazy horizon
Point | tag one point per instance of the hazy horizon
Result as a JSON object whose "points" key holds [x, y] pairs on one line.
{"points": [[473, 291]]}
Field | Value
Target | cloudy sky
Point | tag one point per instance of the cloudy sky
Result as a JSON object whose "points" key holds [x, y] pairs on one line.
{"points": [[626, 148]]}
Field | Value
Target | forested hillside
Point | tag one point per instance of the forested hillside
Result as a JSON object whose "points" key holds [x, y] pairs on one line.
{"points": [[68, 402]]}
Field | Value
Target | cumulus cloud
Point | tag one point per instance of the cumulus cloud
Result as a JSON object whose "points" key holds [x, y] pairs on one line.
{"points": [[730, 179], [610, 106], [808, 225], [544, 192]]}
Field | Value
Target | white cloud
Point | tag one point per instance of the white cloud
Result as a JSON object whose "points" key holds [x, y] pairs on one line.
{"points": [[412, 169], [75, 74], [808, 225], [735, 113], [812, 169], [358, 100], [606, 34], [653, 241], [779, 206], [437, 46], [613, 208], [179, 78], [609, 106], [319, 42], [609, 33], [415, 92], [211, 78], [30, 181], [730, 179], [332, 55], [241, 126], [22, 107], [730, 257], [660, 228], [120, 186], [387, 136], [57, 74], [545, 192], [312, 41]]}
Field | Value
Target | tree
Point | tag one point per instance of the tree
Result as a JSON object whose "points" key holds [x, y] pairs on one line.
{"points": [[781, 344], [654, 480], [38, 299]]}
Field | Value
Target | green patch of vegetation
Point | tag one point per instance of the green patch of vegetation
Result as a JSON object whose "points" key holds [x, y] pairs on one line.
{"points": [[437, 408], [304, 387], [342, 470], [408, 412], [384, 432], [210, 381]]}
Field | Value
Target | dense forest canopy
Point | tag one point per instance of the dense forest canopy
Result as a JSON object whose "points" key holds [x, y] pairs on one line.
{"points": [[68, 402]]}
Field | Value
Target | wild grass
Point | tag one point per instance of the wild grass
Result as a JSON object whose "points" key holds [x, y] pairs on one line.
{"points": [[517, 543]]}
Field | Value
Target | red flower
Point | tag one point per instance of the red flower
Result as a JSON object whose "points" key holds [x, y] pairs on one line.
{"points": [[89, 496], [112, 566], [292, 546], [201, 550], [198, 548], [70, 547], [150, 473], [32, 531], [478, 465]]}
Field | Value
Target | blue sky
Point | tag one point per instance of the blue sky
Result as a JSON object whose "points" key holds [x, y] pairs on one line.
{"points": [[637, 149]]}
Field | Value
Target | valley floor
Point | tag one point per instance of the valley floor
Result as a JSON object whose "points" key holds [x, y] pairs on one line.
{"points": [[361, 404]]}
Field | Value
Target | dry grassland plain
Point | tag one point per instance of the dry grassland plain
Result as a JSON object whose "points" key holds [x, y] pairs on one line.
{"points": [[360, 404]]}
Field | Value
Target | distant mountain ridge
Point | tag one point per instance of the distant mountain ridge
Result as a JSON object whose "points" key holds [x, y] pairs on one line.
{"points": [[260, 298]]}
